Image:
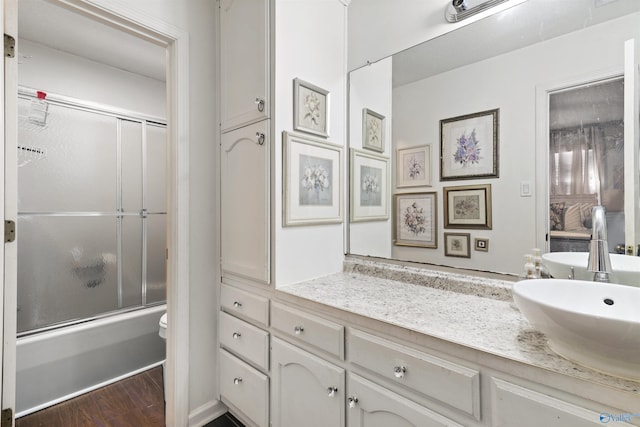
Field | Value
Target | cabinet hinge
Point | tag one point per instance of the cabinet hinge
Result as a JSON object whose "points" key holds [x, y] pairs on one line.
{"points": [[9, 231], [9, 46], [7, 417]]}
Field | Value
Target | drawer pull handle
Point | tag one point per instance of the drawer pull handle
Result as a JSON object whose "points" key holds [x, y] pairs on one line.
{"points": [[237, 304], [236, 335], [298, 330], [351, 402], [399, 371], [331, 391], [260, 103], [237, 380]]}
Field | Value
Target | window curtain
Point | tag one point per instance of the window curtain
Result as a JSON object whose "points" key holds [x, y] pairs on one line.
{"points": [[580, 159]]}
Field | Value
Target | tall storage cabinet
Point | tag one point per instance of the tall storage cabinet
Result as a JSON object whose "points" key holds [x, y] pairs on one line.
{"points": [[245, 143]]}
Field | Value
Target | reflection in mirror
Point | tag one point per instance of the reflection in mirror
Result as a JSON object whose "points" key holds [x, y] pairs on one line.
{"points": [[511, 62], [586, 164]]}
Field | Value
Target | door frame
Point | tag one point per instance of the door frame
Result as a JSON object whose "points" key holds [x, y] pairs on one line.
{"points": [[123, 14]]}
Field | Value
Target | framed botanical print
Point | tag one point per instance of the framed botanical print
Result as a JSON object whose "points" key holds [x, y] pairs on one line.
{"points": [[310, 108], [312, 181], [416, 220], [369, 186], [467, 206], [457, 245], [413, 166], [469, 146], [373, 130]]}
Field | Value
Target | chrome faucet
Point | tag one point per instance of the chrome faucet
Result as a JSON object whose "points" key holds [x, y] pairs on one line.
{"points": [[599, 262]]}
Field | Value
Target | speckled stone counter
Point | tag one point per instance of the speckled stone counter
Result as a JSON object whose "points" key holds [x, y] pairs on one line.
{"points": [[474, 312]]}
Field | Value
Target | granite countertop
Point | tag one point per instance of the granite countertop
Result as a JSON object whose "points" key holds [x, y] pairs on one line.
{"points": [[474, 312]]}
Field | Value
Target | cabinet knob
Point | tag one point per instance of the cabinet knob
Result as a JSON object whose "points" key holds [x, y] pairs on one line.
{"points": [[399, 371], [236, 335], [260, 137], [260, 103], [351, 402], [237, 380], [298, 330], [237, 304], [331, 391]]}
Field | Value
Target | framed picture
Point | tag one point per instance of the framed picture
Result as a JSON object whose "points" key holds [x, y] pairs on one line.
{"points": [[481, 244], [413, 166], [310, 108], [372, 130], [416, 220], [457, 244], [312, 182], [467, 206], [369, 186], [469, 146]]}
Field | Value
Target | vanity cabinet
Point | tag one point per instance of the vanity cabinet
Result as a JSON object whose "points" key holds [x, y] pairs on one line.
{"points": [[244, 62], [306, 390], [244, 202], [371, 405]]}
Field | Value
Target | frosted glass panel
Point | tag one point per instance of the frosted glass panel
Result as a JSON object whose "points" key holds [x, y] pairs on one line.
{"points": [[66, 269], [156, 168], [131, 261], [67, 165], [131, 160], [156, 260]]}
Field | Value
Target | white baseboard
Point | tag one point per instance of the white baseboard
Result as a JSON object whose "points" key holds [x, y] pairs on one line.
{"points": [[206, 413]]}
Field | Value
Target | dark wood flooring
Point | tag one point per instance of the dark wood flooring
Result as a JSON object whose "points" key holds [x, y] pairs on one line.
{"points": [[137, 401]]}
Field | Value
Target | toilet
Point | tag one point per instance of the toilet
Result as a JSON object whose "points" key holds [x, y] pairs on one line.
{"points": [[163, 334]]}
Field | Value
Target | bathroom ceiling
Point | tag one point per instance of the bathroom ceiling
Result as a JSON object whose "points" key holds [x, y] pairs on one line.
{"points": [[54, 26]]}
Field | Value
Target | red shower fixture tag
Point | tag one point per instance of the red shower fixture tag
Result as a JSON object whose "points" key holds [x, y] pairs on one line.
{"points": [[41, 95]]}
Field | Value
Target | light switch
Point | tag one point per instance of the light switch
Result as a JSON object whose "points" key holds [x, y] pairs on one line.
{"points": [[525, 189]]}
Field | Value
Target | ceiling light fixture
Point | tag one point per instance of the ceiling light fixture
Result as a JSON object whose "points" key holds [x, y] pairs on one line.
{"points": [[457, 10]]}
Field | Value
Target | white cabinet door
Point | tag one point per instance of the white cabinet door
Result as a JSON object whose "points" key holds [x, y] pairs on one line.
{"points": [[370, 405], [306, 390], [244, 56], [244, 202]]}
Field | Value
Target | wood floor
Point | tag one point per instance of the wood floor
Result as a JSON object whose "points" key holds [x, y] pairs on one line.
{"points": [[137, 401]]}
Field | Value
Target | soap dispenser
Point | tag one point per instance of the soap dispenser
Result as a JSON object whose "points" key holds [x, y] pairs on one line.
{"points": [[529, 268]]}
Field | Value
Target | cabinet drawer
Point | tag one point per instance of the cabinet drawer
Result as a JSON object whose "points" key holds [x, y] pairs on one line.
{"points": [[246, 340], [448, 382], [244, 388], [511, 401], [244, 304], [319, 332]]}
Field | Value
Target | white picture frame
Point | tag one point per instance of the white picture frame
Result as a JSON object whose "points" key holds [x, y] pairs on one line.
{"points": [[312, 181], [413, 166], [369, 186], [373, 130], [310, 108]]}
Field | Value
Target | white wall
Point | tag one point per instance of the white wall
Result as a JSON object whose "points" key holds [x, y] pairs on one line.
{"points": [[370, 87], [54, 71], [508, 82], [310, 45]]}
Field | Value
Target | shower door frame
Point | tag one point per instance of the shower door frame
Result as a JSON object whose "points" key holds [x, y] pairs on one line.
{"points": [[121, 15]]}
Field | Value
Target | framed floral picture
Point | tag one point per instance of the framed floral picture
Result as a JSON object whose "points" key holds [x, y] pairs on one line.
{"points": [[457, 245], [373, 130], [312, 182], [467, 206], [413, 166], [416, 220], [369, 186], [310, 108], [469, 146]]}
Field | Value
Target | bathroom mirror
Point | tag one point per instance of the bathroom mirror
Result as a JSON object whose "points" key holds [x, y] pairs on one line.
{"points": [[492, 78]]}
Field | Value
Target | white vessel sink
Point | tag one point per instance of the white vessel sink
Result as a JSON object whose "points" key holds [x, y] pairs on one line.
{"points": [[626, 269], [594, 324]]}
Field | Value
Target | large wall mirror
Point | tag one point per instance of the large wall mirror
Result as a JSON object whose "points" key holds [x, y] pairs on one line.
{"points": [[469, 123]]}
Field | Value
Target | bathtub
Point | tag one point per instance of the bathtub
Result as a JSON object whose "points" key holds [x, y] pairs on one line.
{"points": [[57, 365]]}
